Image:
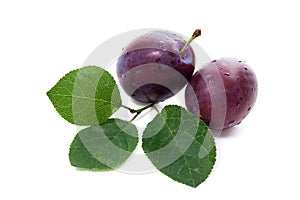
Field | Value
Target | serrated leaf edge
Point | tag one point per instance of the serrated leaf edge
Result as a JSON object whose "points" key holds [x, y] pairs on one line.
{"points": [[48, 93], [214, 149]]}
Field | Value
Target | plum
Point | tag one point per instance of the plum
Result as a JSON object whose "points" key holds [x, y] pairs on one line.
{"points": [[222, 93], [155, 66]]}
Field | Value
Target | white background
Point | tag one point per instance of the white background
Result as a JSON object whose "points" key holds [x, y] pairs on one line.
{"points": [[40, 42]]}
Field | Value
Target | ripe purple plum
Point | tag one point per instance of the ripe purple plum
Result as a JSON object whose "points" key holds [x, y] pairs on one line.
{"points": [[156, 65], [222, 93]]}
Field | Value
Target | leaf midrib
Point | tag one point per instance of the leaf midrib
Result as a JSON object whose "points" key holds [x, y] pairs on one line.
{"points": [[172, 135], [183, 153], [87, 98]]}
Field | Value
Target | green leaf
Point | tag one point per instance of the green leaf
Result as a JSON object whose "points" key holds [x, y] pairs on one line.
{"points": [[180, 145], [105, 146], [86, 96]]}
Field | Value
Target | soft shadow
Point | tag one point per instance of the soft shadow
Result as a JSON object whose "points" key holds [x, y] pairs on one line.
{"points": [[92, 170], [231, 132], [138, 103]]}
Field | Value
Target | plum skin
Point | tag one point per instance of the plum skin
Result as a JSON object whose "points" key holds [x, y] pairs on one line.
{"points": [[151, 70], [229, 83]]}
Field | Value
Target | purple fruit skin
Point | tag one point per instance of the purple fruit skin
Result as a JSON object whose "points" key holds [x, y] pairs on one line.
{"points": [[151, 68], [238, 86]]}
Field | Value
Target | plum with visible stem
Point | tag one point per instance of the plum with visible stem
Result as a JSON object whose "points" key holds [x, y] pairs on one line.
{"points": [[156, 65], [222, 93]]}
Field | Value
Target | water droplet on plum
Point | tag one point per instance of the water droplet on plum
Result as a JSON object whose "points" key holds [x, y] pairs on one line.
{"points": [[155, 48], [153, 71], [240, 88], [138, 71], [144, 37], [162, 45]]}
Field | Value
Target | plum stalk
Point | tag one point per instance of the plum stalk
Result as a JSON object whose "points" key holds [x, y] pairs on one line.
{"points": [[138, 111], [196, 33]]}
